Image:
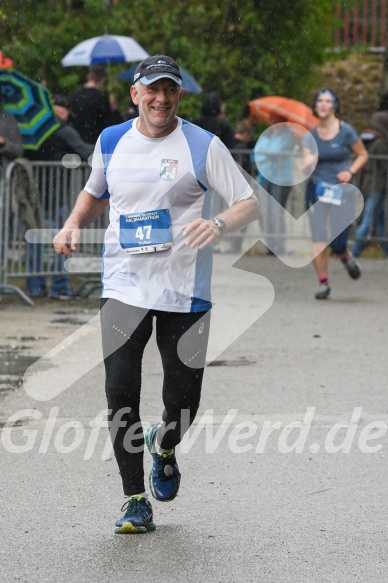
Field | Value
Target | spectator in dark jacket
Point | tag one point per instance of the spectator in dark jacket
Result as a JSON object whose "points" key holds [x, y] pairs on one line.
{"points": [[11, 145], [63, 142], [373, 182], [242, 138], [213, 119], [91, 110]]}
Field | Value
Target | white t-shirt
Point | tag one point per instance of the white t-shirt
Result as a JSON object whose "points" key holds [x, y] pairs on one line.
{"points": [[144, 178]]}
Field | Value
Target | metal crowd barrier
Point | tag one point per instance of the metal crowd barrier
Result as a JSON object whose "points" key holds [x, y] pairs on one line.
{"points": [[298, 232], [28, 225], [272, 225], [30, 255]]}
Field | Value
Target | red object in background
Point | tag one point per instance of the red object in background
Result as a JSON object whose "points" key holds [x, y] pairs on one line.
{"points": [[290, 109], [364, 22], [5, 62]]}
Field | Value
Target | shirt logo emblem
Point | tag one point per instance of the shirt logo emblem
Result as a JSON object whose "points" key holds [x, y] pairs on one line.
{"points": [[168, 169]]}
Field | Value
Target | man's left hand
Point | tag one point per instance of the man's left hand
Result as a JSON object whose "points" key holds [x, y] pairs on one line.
{"points": [[201, 233]]}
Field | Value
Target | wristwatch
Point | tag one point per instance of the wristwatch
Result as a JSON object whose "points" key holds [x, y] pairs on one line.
{"points": [[220, 223]]}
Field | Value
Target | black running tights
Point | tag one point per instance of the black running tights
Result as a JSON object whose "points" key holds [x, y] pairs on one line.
{"points": [[182, 341]]}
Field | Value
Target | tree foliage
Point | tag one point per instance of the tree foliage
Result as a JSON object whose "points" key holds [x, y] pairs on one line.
{"points": [[244, 49]]}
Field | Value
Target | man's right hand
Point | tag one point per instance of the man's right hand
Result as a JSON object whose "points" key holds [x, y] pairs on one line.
{"points": [[66, 241]]}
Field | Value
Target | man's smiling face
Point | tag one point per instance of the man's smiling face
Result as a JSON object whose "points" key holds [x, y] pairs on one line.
{"points": [[158, 104]]}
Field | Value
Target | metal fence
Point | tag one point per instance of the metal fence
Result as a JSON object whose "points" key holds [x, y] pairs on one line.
{"points": [[296, 231], [364, 23], [26, 245], [28, 224]]}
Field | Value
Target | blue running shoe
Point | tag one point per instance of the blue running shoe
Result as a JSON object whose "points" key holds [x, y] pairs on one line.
{"points": [[164, 476], [137, 518]]}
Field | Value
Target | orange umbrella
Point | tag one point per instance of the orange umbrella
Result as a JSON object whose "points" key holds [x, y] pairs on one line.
{"points": [[290, 109]]}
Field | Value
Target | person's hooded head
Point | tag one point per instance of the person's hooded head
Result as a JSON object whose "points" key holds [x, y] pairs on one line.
{"points": [[97, 76], [379, 123], [212, 105]]}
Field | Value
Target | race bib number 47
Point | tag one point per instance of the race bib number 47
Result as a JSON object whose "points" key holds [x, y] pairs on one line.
{"points": [[146, 232]]}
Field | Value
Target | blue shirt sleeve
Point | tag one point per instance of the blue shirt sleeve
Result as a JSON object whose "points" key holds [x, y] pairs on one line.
{"points": [[350, 135]]}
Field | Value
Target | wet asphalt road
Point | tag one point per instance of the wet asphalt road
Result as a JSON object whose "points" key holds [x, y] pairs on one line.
{"points": [[250, 508]]}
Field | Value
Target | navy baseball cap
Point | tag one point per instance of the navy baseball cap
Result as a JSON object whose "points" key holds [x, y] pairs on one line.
{"points": [[157, 67]]}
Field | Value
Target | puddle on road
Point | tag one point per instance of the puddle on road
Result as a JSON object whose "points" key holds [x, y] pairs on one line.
{"points": [[13, 366], [24, 339], [74, 321], [71, 317], [240, 362]]}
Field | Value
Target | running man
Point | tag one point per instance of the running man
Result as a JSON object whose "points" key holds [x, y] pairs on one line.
{"points": [[156, 173]]}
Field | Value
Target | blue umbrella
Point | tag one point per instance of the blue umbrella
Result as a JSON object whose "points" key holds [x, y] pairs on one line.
{"points": [[189, 84], [105, 49], [30, 103]]}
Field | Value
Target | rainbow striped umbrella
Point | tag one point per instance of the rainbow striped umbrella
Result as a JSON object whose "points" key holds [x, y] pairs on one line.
{"points": [[30, 103]]}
